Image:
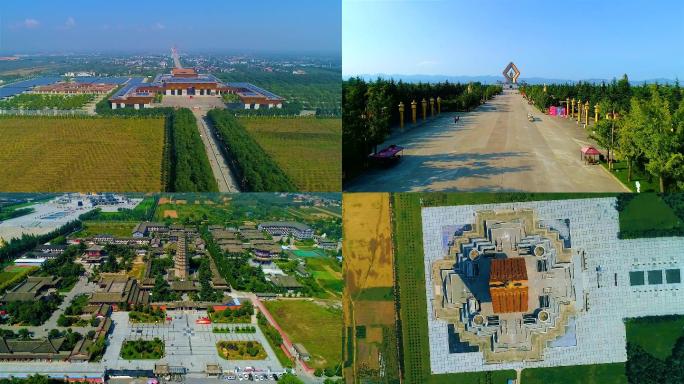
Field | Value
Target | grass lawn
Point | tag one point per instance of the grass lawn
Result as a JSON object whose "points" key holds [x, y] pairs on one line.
{"points": [[657, 335], [241, 350], [474, 378], [317, 327], [306, 149], [327, 272], [142, 349], [648, 212], [577, 374], [114, 228], [620, 171], [214, 213], [12, 275], [81, 154]]}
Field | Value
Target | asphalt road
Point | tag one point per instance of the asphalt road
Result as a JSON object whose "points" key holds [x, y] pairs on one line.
{"points": [[494, 148]]}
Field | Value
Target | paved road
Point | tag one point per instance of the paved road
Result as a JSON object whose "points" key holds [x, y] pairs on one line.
{"points": [[494, 148], [222, 173]]}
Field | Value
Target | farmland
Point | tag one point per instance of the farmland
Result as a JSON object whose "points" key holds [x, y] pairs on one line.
{"points": [[81, 154], [306, 149], [313, 324], [114, 228], [327, 272], [371, 336], [37, 102]]}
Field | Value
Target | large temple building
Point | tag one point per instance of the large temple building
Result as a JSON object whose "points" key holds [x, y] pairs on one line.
{"points": [[188, 82], [540, 284]]}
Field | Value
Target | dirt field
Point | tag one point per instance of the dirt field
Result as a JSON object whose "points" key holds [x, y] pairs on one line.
{"points": [[41, 154], [172, 213], [367, 241]]}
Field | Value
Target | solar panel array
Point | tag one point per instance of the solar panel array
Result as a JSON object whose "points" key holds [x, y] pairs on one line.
{"points": [[100, 80], [255, 89], [132, 83], [25, 85]]}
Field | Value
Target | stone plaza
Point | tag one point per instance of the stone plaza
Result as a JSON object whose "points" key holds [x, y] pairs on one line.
{"points": [[612, 279]]}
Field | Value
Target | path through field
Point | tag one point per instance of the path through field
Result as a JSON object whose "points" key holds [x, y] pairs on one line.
{"points": [[222, 173]]}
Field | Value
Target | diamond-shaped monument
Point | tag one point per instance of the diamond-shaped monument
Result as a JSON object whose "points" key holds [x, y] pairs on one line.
{"points": [[511, 73]]}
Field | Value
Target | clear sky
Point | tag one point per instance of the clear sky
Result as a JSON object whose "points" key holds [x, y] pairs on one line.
{"points": [[574, 40], [155, 25]]}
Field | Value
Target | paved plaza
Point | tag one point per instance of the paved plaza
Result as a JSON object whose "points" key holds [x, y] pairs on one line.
{"points": [[187, 344], [50, 215], [493, 148], [613, 280]]}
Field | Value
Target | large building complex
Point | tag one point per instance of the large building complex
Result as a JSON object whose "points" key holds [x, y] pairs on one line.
{"points": [[540, 284], [188, 82], [287, 228]]}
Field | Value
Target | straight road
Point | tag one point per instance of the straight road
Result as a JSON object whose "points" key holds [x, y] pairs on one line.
{"points": [[494, 148], [222, 173]]}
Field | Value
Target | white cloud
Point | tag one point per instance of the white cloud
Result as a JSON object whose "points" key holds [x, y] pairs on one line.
{"points": [[30, 23], [158, 26], [70, 23]]}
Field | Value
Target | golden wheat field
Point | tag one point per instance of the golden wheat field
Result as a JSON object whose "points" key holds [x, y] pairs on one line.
{"points": [[81, 154], [308, 150]]}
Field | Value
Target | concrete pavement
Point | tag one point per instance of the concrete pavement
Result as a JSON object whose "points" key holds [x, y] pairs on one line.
{"points": [[222, 173], [493, 148]]}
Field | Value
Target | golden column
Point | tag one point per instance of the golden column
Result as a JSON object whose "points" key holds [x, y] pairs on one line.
{"points": [[579, 110], [439, 105], [413, 111], [572, 110], [544, 88], [401, 114], [424, 103], [586, 113], [432, 106], [567, 106], [596, 113]]}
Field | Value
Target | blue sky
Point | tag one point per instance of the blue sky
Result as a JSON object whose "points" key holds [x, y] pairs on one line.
{"points": [[155, 25], [578, 39]]}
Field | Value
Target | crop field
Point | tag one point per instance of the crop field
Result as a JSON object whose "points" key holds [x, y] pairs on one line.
{"points": [[38, 101], [308, 150], [316, 326], [214, 213], [114, 228], [81, 154], [371, 344]]}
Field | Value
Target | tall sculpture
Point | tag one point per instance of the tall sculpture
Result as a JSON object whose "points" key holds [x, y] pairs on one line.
{"points": [[511, 73]]}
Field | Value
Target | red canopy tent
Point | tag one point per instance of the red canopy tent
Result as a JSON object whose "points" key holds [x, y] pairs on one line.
{"points": [[589, 154]]}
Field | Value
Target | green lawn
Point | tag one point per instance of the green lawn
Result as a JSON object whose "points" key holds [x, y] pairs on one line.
{"points": [[317, 327], [13, 275], [114, 228], [327, 272], [657, 335], [577, 374], [142, 349], [648, 183], [493, 377], [647, 212]]}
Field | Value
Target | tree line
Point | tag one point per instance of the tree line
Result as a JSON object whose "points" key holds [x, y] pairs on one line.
{"points": [[648, 133], [189, 166], [256, 170], [370, 110]]}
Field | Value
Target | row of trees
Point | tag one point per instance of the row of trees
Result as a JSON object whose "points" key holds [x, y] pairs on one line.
{"points": [[207, 292], [256, 170], [644, 368], [38, 102], [370, 109], [648, 133], [190, 167]]}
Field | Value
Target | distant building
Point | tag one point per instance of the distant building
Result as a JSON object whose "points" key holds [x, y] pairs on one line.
{"points": [[146, 228], [94, 254], [46, 350], [290, 228], [285, 281], [118, 289]]}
